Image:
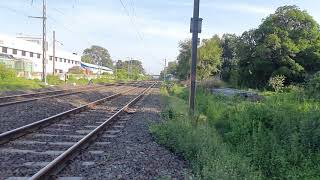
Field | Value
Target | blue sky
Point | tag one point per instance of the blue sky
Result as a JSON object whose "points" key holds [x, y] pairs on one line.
{"points": [[152, 31]]}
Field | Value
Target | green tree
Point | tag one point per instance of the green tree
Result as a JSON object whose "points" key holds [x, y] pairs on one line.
{"points": [[184, 59], [286, 43], [97, 55], [209, 57], [170, 69], [229, 67], [135, 66]]}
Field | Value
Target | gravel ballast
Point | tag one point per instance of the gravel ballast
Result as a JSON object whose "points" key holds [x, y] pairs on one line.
{"points": [[130, 153], [27, 155], [15, 116]]}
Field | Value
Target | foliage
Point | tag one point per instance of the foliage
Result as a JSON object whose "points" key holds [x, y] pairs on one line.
{"points": [[171, 69], [76, 70], [277, 83], [209, 58], [184, 59], [104, 79], [313, 86], [286, 43], [134, 65], [229, 45], [277, 138], [97, 55], [9, 81], [54, 80], [81, 81], [200, 144]]}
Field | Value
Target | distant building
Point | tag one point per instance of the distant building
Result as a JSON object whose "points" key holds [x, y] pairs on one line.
{"points": [[95, 69], [30, 49]]}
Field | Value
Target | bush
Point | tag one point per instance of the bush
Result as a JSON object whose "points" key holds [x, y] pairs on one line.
{"points": [[6, 73], [277, 83], [54, 80], [313, 87], [277, 138], [209, 157]]}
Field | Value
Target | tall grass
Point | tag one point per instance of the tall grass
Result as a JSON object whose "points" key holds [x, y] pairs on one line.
{"points": [[9, 81], [231, 138]]}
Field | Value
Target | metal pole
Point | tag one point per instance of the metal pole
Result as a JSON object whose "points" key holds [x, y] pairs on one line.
{"points": [[165, 69], [194, 55], [44, 41], [54, 52]]}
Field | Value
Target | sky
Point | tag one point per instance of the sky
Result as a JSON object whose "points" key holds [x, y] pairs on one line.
{"points": [[149, 30]]}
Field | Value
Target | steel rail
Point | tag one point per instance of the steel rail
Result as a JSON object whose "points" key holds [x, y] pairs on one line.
{"points": [[29, 128], [53, 96], [48, 92], [62, 160]]}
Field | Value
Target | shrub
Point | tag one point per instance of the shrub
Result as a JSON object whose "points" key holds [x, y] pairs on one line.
{"points": [[277, 138], [54, 80], [6, 73], [277, 83], [209, 157], [313, 86], [9, 80]]}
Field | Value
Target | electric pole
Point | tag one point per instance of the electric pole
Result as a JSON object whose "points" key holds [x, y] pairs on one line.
{"points": [[165, 70], [44, 38], [195, 28], [54, 52]]}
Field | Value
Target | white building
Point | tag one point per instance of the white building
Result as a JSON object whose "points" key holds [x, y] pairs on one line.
{"points": [[32, 51], [96, 69]]}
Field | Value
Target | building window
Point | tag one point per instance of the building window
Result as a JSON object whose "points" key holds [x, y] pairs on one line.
{"points": [[56, 59], [14, 51], [38, 56], [65, 60], [50, 58], [23, 53], [4, 49], [68, 61], [60, 59], [31, 54], [71, 61]]}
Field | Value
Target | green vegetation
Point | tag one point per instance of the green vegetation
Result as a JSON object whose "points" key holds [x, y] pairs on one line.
{"points": [[232, 138], [96, 55], [9, 81], [286, 43]]}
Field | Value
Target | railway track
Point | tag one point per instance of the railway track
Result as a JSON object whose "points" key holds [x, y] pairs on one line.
{"points": [[24, 98], [52, 143]]}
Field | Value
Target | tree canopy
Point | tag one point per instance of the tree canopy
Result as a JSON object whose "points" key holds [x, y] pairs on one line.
{"points": [[97, 55], [209, 57], [286, 43], [184, 59]]}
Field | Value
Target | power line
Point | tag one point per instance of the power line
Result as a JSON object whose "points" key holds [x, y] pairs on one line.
{"points": [[131, 20]]}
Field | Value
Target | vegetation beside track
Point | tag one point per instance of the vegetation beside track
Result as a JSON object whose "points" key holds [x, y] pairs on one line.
{"points": [[10, 82], [232, 138]]}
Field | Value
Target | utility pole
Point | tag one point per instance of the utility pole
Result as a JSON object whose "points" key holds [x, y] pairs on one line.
{"points": [[195, 28], [44, 38], [165, 70], [54, 52]]}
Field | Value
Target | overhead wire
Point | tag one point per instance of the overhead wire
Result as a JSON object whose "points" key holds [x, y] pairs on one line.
{"points": [[132, 20]]}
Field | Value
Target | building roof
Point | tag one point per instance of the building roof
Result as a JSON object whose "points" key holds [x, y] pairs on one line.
{"points": [[93, 66]]}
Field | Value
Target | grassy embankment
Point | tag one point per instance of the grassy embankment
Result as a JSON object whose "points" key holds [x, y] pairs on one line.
{"points": [[231, 138], [10, 82]]}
